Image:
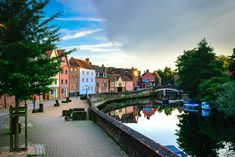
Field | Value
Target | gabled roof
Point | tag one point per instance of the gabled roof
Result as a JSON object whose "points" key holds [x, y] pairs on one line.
{"points": [[60, 52], [115, 77], [80, 63]]}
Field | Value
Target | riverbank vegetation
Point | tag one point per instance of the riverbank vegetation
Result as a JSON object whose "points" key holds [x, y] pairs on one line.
{"points": [[208, 77]]}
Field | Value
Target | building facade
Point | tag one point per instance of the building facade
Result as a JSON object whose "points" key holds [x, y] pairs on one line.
{"points": [[148, 80], [64, 74], [82, 77], [54, 87], [102, 80], [6, 101]]}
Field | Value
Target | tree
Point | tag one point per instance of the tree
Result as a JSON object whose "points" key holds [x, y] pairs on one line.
{"points": [[197, 65], [225, 101], [210, 89], [231, 66], [24, 68], [166, 75]]}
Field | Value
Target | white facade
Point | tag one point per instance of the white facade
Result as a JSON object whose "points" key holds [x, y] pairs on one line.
{"points": [[87, 81]]}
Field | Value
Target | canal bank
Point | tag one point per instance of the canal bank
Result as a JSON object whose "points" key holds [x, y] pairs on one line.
{"points": [[197, 132], [134, 143]]}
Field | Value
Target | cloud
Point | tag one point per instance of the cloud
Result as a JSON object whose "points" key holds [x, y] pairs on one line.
{"points": [[157, 29], [72, 34], [103, 47], [80, 19]]}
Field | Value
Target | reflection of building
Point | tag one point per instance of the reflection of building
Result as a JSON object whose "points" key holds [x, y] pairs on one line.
{"points": [[148, 112], [102, 81], [82, 76], [126, 115]]}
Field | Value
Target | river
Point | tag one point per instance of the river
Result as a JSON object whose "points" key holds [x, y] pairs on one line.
{"points": [[199, 133]]}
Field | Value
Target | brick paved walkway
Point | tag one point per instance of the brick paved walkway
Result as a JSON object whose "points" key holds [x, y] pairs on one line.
{"points": [[71, 138]]}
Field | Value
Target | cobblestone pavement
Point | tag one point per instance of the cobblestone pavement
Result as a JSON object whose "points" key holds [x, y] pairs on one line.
{"points": [[70, 138]]}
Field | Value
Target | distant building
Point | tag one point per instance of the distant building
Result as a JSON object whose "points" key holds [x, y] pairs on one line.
{"points": [[148, 80], [132, 73], [102, 81], [120, 83], [64, 74], [82, 76]]}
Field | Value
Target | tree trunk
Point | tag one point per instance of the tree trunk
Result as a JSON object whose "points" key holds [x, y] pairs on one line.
{"points": [[16, 127]]}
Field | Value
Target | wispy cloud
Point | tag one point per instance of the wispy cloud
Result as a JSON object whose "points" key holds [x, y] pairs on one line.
{"points": [[80, 19], [72, 34], [104, 47]]}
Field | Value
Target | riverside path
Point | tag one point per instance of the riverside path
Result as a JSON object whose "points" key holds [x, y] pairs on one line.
{"points": [[62, 138]]}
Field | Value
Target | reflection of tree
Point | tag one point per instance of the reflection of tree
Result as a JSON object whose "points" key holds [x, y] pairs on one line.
{"points": [[203, 136], [166, 109]]}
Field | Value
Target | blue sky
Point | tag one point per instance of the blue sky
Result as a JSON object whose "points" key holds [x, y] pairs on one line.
{"points": [[143, 34]]}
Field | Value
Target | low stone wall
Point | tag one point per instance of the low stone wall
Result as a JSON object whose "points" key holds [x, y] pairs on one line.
{"points": [[101, 97], [132, 142]]}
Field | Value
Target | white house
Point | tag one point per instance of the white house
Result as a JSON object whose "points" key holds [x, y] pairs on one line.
{"points": [[87, 81], [82, 78]]}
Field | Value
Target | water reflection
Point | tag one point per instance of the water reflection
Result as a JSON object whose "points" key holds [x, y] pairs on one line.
{"points": [[198, 133]]}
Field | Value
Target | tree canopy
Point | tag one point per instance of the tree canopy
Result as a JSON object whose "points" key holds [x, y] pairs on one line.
{"points": [[24, 39], [196, 66], [231, 66]]}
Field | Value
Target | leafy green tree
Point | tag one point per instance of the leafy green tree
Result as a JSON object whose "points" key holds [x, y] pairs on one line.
{"points": [[196, 66], [167, 76], [225, 61], [209, 89], [25, 37], [225, 101], [231, 66]]}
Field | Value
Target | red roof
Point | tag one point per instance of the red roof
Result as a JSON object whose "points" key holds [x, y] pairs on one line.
{"points": [[80, 63]]}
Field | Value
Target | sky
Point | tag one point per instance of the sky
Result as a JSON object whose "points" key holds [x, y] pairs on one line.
{"points": [[145, 34]]}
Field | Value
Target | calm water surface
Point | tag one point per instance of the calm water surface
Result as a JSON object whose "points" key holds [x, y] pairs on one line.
{"points": [[198, 133]]}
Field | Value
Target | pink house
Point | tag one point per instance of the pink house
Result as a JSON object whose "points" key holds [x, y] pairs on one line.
{"points": [[129, 85], [64, 75], [148, 80]]}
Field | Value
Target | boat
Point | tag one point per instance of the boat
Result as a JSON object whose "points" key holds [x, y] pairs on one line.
{"points": [[205, 106], [176, 150], [191, 105]]}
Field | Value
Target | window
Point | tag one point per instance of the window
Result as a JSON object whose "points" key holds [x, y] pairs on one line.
{"points": [[62, 81], [66, 72], [55, 82], [82, 79], [91, 80], [66, 81], [62, 72], [82, 72], [86, 79], [92, 73], [88, 88], [87, 73], [105, 84], [91, 88]]}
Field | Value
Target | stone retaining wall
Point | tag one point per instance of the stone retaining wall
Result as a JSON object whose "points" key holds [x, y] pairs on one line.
{"points": [[132, 142], [100, 97]]}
